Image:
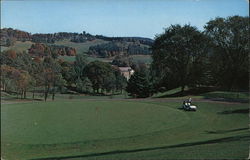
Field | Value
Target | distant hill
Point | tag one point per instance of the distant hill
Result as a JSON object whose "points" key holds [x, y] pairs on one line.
{"points": [[80, 47], [9, 36], [142, 40], [120, 48], [18, 35], [77, 43]]}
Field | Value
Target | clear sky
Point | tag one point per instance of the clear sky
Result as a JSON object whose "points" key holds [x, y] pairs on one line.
{"points": [[144, 18]]}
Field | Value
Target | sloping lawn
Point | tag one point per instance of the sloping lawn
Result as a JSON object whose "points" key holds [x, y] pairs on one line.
{"points": [[111, 129]]}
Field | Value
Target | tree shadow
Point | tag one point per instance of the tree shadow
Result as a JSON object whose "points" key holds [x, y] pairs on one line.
{"points": [[237, 111], [226, 131], [220, 140], [180, 108], [21, 99], [192, 91], [203, 91], [228, 100]]}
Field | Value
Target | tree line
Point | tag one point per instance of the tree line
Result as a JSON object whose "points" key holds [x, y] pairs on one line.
{"points": [[20, 73], [141, 40], [43, 50], [9, 36], [118, 48], [184, 56]]}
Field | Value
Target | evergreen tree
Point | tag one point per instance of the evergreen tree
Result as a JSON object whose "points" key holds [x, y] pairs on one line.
{"points": [[139, 85]]}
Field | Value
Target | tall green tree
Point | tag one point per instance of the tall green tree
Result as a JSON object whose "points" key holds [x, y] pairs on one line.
{"points": [[102, 76], [69, 73], [80, 63], [120, 80], [84, 85], [139, 85], [176, 53], [98, 72], [229, 58]]}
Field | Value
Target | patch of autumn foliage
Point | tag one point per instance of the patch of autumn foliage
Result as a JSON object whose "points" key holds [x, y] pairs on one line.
{"points": [[42, 50]]}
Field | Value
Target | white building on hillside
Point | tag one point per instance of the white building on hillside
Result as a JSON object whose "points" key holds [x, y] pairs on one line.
{"points": [[127, 72]]}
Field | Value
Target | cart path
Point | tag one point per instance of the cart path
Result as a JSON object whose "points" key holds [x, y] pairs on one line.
{"points": [[218, 101]]}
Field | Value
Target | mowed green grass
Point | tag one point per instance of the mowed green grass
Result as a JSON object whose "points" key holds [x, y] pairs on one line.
{"points": [[112, 129]]}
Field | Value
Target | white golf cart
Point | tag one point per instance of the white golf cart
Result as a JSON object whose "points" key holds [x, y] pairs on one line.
{"points": [[187, 106]]}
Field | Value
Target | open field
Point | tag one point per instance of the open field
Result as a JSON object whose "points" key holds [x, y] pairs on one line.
{"points": [[80, 47], [19, 46], [136, 58], [124, 129], [89, 58], [142, 58]]}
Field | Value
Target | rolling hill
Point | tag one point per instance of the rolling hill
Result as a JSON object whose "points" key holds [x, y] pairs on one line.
{"points": [[97, 47]]}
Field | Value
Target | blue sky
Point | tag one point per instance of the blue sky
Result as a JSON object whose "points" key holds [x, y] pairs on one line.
{"points": [[144, 18]]}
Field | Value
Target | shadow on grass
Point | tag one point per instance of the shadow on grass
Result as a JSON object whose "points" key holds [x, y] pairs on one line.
{"points": [[237, 111], [226, 131], [228, 100], [21, 99], [193, 91], [220, 140], [206, 93]]}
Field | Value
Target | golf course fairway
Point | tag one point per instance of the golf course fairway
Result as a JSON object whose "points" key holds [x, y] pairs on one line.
{"points": [[114, 129]]}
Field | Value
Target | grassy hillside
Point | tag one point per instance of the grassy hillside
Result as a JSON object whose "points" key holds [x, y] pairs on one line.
{"points": [[244, 96], [80, 47], [142, 58], [90, 59], [215, 95], [113, 129], [19, 46], [136, 58]]}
